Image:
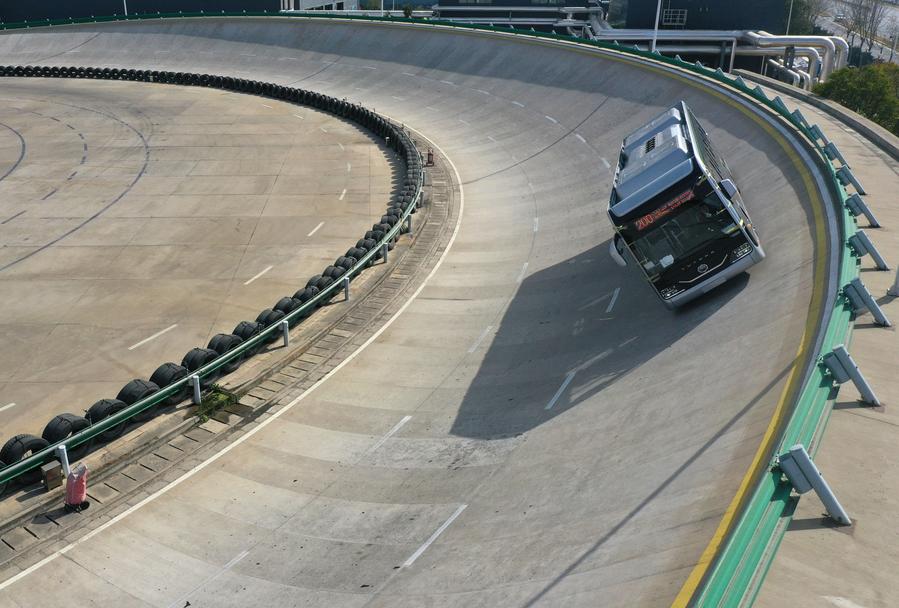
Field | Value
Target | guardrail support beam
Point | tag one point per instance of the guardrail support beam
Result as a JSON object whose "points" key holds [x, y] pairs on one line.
{"points": [[409, 223], [843, 368], [857, 207], [846, 177], [346, 288], [195, 384], [861, 299], [384, 249], [894, 290], [833, 153], [797, 465], [862, 244], [285, 332]]}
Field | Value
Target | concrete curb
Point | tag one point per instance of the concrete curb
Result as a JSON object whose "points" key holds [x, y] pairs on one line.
{"points": [[872, 131]]}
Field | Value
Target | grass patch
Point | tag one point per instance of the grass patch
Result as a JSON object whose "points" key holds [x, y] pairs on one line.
{"points": [[216, 399]]}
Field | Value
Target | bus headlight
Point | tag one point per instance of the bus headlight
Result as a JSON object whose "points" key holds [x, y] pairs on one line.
{"points": [[740, 252], [669, 292]]}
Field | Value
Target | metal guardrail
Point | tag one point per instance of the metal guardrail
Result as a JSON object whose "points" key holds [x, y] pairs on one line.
{"points": [[211, 369], [739, 566]]}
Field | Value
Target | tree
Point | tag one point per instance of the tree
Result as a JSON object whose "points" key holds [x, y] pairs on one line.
{"points": [[872, 91], [805, 14], [865, 18], [407, 11]]}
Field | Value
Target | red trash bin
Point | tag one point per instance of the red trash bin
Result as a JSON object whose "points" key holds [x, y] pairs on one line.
{"points": [[76, 489]]}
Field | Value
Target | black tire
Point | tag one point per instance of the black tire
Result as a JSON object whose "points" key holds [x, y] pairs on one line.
{"points": [[269, 317], [287, 305], [313, 280], [345, 262], [102, 409], [246, 330], [197, 358], [306, 294], [62, 427], [223, 343], [136, 390], [323, 283], [4, 484], [167, 374], [335, 272], [22, 446]]}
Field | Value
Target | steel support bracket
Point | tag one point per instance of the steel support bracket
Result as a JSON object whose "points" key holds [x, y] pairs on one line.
{"points": [[862, 245], [857, 206], [798, 467], [833, 153], [861, 299], [799, 117], [842, 368], [846, 178]]}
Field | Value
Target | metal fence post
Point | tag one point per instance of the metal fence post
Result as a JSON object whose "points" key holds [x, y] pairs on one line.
{"points": [[797, 465], [346, 288], [384, 252], [833, 153], [894, 290], [195, 384], [285, 332], [63, 457], [843, 368], [409, 223]]}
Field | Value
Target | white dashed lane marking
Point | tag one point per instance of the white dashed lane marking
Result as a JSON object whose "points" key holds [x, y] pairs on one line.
{"points": [[153, 337], [253, 278], [314, 230]]}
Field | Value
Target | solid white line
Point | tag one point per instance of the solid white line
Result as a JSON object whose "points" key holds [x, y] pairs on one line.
{"points": [[536, 224], [258, 275], [181, 601], [298, 116], [349, 166], [519, 104], [187, 475], [605, 163], [480, 339], [580, 137], [7, 407], [568, 378], [341, 146], [267, 106], [314, 230], [614, 299], [524, 271], [389, 434], [342, 194], [434, 536], [551, 119], [156, 335]]}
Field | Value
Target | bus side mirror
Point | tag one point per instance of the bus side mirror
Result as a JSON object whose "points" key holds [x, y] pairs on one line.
{"points": [[729, 188], [616, 250]]}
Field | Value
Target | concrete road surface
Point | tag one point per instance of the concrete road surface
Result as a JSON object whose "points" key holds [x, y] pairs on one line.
{"points": [[535, 429], [137, 221]]}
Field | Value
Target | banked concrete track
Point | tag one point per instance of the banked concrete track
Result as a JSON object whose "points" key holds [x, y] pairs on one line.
{"points": [[535, 428]]}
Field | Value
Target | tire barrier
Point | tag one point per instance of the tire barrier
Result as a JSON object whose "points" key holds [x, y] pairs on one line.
{"points": [[140, 400], [63, 426], [19, 448]]}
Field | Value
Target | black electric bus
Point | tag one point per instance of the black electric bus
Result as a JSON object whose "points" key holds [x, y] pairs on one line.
{"points": [[676, 210]]}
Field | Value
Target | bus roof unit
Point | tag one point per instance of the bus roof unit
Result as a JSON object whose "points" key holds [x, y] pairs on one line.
{"points": [[654, 157]]}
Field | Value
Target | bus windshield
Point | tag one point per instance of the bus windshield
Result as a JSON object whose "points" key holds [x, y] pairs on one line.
{"points": [[680, 227]]}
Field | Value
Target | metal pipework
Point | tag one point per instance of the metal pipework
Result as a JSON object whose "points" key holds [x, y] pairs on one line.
{"points": [[794, 75], [764, 39]]}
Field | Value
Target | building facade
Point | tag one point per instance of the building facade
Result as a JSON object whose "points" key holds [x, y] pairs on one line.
{"points": [[767, 15]]}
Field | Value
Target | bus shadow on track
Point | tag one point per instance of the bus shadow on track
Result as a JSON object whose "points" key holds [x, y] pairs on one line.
{"points": [[563, 340]]}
